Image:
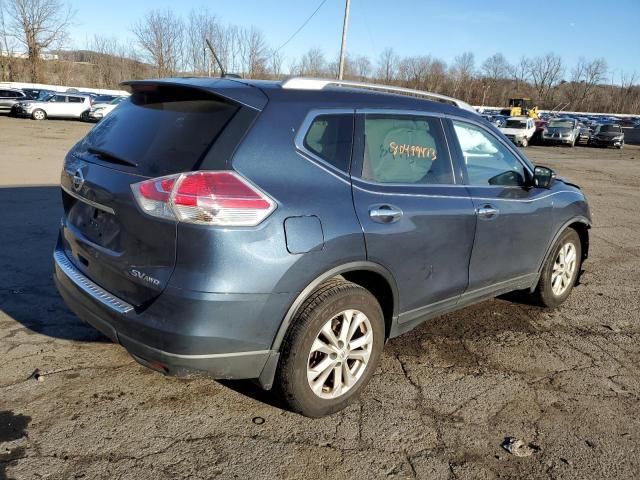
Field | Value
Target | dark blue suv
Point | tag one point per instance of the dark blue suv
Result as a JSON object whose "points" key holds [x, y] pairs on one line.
{"points": [[284, 231]]}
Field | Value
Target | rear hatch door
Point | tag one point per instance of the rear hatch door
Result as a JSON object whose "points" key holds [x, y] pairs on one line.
{"points": [[163, 129]]}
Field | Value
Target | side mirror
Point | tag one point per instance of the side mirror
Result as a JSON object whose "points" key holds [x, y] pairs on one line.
{"points": [[543, 177]]}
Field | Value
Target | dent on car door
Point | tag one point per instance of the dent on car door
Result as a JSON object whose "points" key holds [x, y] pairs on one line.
{"points": [[417, 222], [514, 218]]}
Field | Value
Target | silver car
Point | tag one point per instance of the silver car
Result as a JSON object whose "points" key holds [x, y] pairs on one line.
{"points": [[55, 105], [561, 130], [9, 97]]}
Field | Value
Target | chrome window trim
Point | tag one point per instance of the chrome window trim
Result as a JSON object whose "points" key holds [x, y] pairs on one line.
{"points": [[434, 195], [93, 290], [97, 205], [411, 113]]}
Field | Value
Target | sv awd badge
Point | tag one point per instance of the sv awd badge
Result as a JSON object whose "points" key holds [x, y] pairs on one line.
{"points": [[144, 277]]}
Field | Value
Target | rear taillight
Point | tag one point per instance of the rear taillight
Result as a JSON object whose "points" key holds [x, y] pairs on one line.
{"points": [[208, 198]]}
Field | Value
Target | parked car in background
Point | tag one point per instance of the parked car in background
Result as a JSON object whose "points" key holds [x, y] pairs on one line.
{"points": [[584, 134], [9, 97], [519, 130], [181, 240], [561, 130], [54, 105], [34, 93], [104, 98], [608, 135], [100, 110]]}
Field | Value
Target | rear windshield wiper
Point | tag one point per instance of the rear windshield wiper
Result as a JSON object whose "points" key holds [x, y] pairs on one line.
{"points": [[110, 157]]}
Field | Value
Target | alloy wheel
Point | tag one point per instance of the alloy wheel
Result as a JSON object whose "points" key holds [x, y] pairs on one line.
{"points": [[563, 269], [340, 354]]}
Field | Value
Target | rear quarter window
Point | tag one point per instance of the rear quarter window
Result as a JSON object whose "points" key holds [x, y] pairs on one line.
{"points": [[329, 137], [163, 130]]}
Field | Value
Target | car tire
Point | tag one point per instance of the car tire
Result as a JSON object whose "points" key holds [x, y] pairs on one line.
{"points": [[316, 353], [84, 116], [524, 143], [39, 114], [560, 271]]}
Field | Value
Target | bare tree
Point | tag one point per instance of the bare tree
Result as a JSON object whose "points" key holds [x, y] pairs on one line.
{"points": [[545, 72], [160, 36], [462, 72], [275, 65], [201, 25], [312, 64], [253, 53], [37, 25], [496, 67], [520, 71], [585, 77], [387, 65], [7, 49], [362, 67]]}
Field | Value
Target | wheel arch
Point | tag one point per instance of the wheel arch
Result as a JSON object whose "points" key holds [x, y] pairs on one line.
{"points": [[581, 225], [371, 276]]}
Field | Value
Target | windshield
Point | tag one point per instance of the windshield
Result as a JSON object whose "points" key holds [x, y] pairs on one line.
{"points": [[44, 96], [116, 101], [515, 124], [610, 129], [561, 124]]}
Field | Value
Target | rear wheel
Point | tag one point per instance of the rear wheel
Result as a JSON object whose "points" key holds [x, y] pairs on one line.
{"points": [[39, 114], [560, 271], [332, 349], [524, 142], [85, 116]]}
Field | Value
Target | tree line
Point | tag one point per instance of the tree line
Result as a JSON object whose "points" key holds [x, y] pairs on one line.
{"points": [[168, 44]]}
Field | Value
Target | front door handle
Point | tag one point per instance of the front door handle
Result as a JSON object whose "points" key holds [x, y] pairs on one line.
{"points": [[385, 213], [488, 212]]}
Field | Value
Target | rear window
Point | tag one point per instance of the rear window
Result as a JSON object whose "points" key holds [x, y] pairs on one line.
{"points": [[163, 130]]}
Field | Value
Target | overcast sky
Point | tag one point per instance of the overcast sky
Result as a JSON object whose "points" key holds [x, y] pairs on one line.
{"points": [[444, 29]]}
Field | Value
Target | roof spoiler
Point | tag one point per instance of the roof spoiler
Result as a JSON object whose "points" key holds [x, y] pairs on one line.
{"points": [[228, 88]]}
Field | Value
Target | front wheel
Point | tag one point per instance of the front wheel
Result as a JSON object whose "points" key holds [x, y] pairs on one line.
{"points": [[333, 347], [39, 114], [560, 270], [524, 142]]}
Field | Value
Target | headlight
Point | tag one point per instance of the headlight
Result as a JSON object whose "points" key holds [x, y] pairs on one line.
{"points": [[619, 137]]}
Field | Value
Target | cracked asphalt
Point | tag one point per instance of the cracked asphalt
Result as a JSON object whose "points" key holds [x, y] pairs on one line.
{"points": [[442, 402]]}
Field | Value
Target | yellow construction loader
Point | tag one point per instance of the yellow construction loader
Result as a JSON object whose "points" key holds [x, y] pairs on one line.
{"points": [[519, 107]]}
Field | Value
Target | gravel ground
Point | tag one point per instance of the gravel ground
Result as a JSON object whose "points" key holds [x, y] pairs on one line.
{"points": [[440, 405]]}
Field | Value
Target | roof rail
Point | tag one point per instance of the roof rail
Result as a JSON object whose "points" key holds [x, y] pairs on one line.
{"points": [[305, 83]]}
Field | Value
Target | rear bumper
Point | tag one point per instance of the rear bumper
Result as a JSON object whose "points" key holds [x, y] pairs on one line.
{"points": [[179, 334]]}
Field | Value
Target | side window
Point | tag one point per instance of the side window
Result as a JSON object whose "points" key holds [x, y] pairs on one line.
{"points": [[488, 161], [329, 137], [405, 149], [75, 99], [58, 99]]}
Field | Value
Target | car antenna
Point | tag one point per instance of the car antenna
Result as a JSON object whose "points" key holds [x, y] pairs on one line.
{"points": [[223, 73]]}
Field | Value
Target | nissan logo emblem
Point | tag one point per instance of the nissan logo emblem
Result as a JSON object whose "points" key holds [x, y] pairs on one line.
{"points": [[78, 180]]}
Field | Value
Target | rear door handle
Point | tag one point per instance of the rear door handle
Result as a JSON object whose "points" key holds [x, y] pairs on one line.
{"points": [[488, 212], [385, 213]]}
